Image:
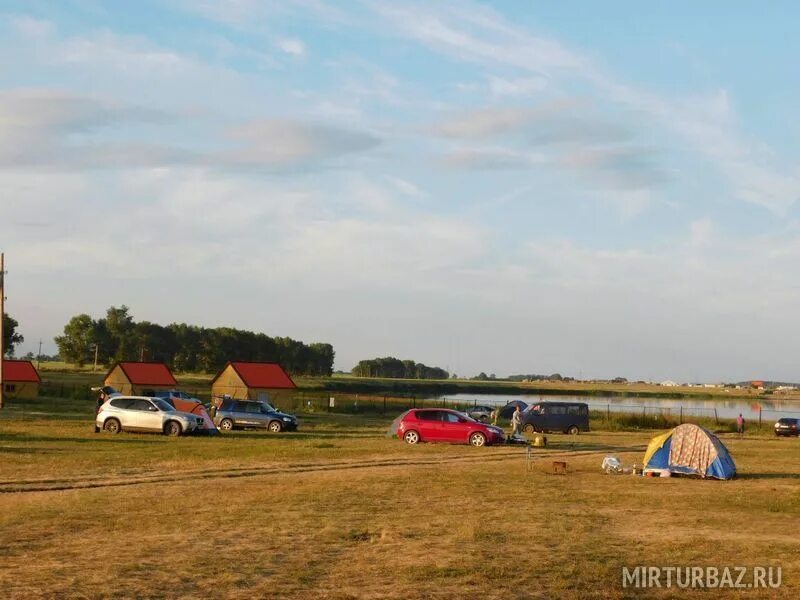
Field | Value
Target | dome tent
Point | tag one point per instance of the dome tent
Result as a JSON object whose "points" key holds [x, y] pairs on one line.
{"points": [[689, 450]]}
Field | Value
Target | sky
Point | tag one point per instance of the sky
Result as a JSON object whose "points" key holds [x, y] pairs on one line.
{"points": [[595, 189]]}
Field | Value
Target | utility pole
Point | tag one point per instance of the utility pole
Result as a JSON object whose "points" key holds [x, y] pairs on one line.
{"points": [[39, 356], [2, 319]]}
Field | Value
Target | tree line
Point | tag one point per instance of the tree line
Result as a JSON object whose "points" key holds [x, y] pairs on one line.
{"points": [[186, 348], [394, 368]]}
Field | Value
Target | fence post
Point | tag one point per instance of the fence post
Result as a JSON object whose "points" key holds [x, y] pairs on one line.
{"points": [[759, 418], [608, 413], [716, 417], [384, 405]]}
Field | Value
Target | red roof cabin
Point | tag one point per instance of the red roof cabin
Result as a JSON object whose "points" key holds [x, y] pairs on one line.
{"points": [[20, 379], [262, 381], [140, 378]]}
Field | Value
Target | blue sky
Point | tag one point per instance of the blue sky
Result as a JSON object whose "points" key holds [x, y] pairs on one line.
{"points": [[595, 189]]}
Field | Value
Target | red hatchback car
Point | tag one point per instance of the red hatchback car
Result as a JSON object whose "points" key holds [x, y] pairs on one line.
{"points": [[442, 425]]}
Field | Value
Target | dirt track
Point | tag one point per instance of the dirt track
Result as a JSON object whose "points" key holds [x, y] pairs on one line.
{"points": [[93, 481]]}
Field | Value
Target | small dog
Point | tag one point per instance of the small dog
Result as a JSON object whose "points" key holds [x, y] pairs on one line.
{"points": [[559, 467]]}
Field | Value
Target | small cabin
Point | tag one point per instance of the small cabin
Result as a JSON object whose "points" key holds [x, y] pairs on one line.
{"points": [[261, 381], [140, 378], [20, 379]]}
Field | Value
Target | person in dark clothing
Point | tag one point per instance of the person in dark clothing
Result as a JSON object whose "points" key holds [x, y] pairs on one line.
{"points": [[101, 398]]}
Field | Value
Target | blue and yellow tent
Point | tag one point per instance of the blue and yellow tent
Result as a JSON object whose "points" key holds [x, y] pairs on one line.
{"points": [[689, 450]]}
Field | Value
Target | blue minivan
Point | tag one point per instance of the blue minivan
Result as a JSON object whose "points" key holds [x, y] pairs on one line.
{"points": [[566, 417]]}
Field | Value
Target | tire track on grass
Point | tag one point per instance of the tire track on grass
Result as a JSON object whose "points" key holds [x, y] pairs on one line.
{"points": [[88, 482]]}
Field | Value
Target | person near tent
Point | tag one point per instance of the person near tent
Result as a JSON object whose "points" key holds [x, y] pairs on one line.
{"points": [[516, 419], [495, 415], [740, 424]]}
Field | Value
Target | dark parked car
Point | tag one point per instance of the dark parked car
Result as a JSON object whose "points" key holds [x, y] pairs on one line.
{"points": [[566, 417], [787, 426], [508, 409], [442, 425], [243, 414]]}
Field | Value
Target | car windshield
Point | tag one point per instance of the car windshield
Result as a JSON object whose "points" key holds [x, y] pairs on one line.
{"points": [[163, 405], [266, 407]]}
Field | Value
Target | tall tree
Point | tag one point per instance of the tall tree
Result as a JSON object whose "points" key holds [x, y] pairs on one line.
{"points": [[120, 326], [75, 346], [11, 337]]}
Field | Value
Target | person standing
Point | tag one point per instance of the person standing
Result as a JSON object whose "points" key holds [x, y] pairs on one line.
{"points": [[495, 414], [740, 424], [101, 399], [516, 419]]}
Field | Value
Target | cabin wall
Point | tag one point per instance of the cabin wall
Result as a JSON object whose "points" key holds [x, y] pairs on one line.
{"points": [[20, 389], [229, 383], [119, 381]]}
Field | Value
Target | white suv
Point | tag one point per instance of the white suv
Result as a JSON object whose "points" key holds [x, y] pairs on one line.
{"points": [[137, 413]]}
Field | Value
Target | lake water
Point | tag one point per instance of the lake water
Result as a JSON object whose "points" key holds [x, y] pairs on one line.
{"points": [[771, 408]]}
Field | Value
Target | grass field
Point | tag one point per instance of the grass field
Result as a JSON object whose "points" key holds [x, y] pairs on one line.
{"points": [[337, 510]]}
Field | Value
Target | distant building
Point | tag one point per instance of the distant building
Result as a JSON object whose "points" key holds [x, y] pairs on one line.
{"points": [[265, 382], [140, 378], [668, 383], [20, 379], [759, 385]]}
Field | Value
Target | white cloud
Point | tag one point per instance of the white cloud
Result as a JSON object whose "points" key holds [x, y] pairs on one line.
{"points": [[491, 158], [282, 142], [701, 232], [474, 33], [42, 128], [519, 86], [292, 46], [489, 122], [31, 27]]}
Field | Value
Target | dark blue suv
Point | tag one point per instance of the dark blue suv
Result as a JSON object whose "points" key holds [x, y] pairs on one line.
{"points": [[566, 417]]}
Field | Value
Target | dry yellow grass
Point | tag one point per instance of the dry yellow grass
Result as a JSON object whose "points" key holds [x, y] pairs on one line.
{"points": [[339, 511]]}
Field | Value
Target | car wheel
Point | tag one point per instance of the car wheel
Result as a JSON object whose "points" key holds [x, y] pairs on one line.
{"points": [[112, 426], [411, 437], [477, 439], [573, 430], [528, 428], [275, 426], [226, 425], [173, 428]]}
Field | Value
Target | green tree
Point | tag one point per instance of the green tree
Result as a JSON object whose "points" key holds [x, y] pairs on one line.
{"points": [[120, 327], [75, 346], [11, 337]]}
